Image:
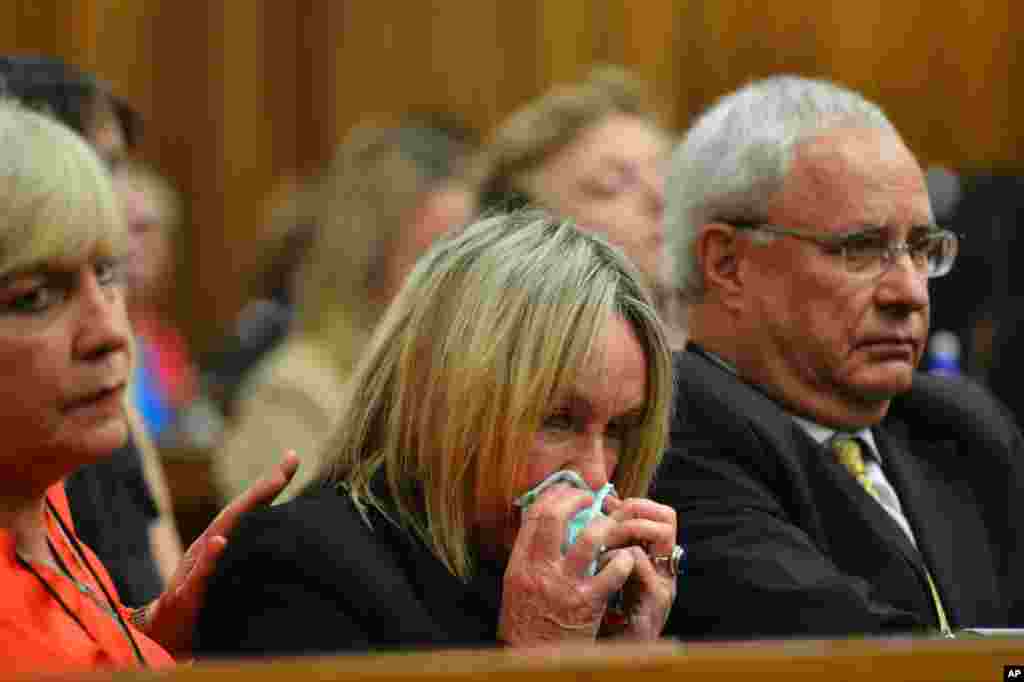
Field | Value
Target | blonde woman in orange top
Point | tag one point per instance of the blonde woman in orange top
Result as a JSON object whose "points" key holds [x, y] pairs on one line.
{"points": [[66, 356]]}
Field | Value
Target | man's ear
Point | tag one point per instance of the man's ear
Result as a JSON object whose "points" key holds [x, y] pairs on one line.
{"points": [[719, 252]]}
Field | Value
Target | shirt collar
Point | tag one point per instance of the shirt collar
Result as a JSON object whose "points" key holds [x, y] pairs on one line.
{"points": [[823, 434], [713, 357]]}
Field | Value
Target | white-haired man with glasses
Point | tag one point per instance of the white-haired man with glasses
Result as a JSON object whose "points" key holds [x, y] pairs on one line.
{"points": [[824, 487]]}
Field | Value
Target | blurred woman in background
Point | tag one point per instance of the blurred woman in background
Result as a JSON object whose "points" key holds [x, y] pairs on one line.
{"points": [[592, 151], [388, 193], [165, 380]]}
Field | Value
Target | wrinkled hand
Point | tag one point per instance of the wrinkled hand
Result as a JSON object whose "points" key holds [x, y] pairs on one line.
{"points": [[649, 591], [547, 596], [171, 619]]}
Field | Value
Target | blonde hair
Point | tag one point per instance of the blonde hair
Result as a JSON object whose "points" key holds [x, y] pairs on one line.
{"points": [[56, 199], [360, 207], [543, 127], [491, 328]]}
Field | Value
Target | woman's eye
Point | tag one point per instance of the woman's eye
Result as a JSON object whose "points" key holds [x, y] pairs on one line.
{"points": [[599, 189], [618, 432], [108, 272], [608, 184], [33, 300], [561, 421]]}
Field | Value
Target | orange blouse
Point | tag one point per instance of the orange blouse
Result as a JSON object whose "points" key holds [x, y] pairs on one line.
{"points": [[37, 632]]}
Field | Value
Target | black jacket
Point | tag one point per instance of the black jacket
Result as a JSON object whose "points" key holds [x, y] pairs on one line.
{"points": [[310, 576], [113, 510], [784, 542]]}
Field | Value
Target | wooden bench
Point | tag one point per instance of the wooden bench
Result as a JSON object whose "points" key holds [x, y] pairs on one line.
{"points": [[877, 660]]}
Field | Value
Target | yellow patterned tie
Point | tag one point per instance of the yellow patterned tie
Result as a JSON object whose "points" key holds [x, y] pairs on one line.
{"points": [[850, 454]]}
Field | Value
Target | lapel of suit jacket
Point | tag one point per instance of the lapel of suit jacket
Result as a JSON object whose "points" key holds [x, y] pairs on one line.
{"points": [[867, 508], [811, 466], [931, 504], [768, 421]]}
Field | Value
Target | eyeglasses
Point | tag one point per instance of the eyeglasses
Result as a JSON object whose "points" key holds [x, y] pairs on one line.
{"points": [[869, 254]]}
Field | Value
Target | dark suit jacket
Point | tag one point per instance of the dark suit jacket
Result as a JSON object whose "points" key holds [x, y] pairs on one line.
{"points": [[113, 510], [783, 541], [310, 576]]}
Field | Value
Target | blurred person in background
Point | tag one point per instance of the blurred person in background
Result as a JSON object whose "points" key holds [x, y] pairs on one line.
{"points": [[520, 378], [165, 381], [997, 203], [984, 291], [266, 318], [593, 151], [121, 504], [267, 315], [389, 192]]}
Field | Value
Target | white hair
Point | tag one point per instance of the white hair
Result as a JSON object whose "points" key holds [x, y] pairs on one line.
{"points": [[56, 197], [736, 156]]}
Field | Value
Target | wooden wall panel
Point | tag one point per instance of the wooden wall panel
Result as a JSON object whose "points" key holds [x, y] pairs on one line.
{"points": [[648, 39], [314, 77], [570, 36], [124, 52], [391, 57], [34, 27], [503, 60], [238, 93], [381, 56], [944, 73]]}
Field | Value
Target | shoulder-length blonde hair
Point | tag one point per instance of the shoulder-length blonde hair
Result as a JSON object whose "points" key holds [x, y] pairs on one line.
{"points": [[490, 329], [56, 199]]}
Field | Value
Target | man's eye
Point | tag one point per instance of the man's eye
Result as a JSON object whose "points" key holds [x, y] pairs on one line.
{"points": [[926, 249], [866, 247], [924, 241], [863, 250], [867, 240]]}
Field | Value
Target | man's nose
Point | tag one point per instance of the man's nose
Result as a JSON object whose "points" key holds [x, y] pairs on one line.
{"points": [[903, 284]]}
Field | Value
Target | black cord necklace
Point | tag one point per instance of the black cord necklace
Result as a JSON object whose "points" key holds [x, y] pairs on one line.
{"points": [[110, 607]]}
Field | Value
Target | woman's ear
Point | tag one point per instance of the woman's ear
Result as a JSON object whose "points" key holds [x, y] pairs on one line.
{"points": [[719, 253]]}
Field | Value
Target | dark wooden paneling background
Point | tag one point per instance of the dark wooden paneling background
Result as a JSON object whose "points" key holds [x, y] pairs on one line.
{"points": [[239, 93]]}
